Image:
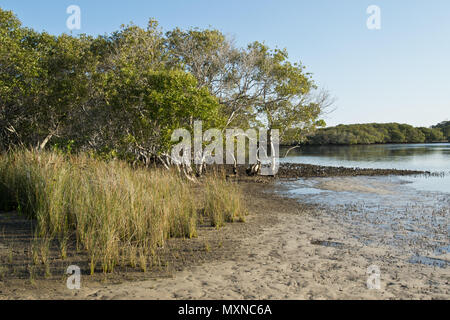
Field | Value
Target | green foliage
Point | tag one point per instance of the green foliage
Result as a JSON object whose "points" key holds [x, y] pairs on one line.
{"points": [[444, 126], [123, 94], [19, 73], [147, 109], [373, 133], [284, 87], [256, 86]]}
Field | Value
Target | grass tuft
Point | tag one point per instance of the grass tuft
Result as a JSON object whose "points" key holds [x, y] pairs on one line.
{"points": [[223, 201], [118, 214]]}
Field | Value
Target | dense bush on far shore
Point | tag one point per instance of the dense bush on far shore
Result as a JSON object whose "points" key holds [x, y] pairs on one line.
{"points": [[444, 126], [377, 133]]}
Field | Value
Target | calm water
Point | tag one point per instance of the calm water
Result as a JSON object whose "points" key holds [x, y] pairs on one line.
{"points": [[408, 213], [424, 157]]}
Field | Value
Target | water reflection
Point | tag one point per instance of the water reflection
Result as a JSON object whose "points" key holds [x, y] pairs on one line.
{"points": [[424, 157], [433, 157]]}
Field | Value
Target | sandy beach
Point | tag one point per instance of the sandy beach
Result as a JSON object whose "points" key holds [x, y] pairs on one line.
{"points": [[285, 250]]}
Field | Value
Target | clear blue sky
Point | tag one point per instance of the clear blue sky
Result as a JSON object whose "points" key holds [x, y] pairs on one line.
{"points": [[399, 73]]}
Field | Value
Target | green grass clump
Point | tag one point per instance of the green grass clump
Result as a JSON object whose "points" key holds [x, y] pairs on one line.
{"points": [[117, 213], [105, 206], [223, 201]]}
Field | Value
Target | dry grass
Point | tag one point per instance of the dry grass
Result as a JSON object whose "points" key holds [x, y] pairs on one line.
{"points": [[118, 214], [223, 201]]}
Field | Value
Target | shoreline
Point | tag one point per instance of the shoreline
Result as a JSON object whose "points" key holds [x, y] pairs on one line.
{"points": [[294, 170], [281, 252], [367, 144], [289, 171]]}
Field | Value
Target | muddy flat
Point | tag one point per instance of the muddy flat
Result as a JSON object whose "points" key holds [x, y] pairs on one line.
{"points": [[285, 250]]}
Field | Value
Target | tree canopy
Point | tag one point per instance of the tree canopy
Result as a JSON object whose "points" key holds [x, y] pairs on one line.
{"points": [[123, 94], [444, 126]]}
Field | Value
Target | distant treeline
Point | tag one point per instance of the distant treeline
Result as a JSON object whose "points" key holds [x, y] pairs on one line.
{"points": [[377, 133], [444, 126]]}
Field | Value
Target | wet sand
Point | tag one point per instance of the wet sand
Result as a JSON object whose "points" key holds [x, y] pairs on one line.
{"points": [[285, 250]]}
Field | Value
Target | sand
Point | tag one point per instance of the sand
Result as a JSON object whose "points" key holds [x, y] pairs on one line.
{"points": [[350, 184], [280, 256]]}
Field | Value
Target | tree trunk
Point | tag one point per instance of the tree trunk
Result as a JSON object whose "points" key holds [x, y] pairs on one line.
{"points": [[44, 143], [254, 169]]}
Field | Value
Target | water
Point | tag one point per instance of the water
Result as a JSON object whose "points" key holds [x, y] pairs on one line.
{"points": [[410, 214], [424, 157]]}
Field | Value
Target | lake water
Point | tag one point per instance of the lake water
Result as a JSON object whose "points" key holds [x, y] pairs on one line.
{"points": [[408, 213], [424, 157]]}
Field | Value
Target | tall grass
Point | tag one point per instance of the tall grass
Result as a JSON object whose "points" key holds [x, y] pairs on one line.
{"points": [[223, 201], [111, 210]]}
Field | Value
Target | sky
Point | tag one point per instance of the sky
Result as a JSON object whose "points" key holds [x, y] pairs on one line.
{"points": [[398, 73]]}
